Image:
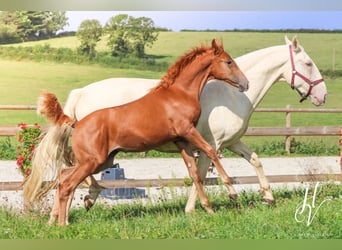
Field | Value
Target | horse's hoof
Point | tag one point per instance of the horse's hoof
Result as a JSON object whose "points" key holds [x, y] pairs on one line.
{"points": [[87, 203], [51, 222], [211, 212], [268, 201], [190, 211], [233, 196]]}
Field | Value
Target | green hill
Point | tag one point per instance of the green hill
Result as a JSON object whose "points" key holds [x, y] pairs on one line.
{"points": [[322, 47]]}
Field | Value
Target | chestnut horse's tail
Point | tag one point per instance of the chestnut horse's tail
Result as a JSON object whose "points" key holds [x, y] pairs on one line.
{"points": [[52, 151], [49, 107]]}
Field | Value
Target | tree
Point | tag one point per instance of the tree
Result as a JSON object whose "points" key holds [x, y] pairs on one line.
{"points": [[8, 28], [130, 35], [34, 25], [54, 21], [118, 40], [89, 32], [143, 34], [30, 24], [8, 34]]}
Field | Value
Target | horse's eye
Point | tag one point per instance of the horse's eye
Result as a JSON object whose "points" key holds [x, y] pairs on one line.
{"points": [[309, 64], [229, 62]]}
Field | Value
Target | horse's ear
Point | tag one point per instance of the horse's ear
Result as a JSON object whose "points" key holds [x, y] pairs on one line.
{"points": [[287, 40], [218, 48], [295, 44]]}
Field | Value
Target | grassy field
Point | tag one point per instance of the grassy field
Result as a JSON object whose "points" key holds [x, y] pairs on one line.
{"points": [[247, 218], [22, 81], [25, 87]]}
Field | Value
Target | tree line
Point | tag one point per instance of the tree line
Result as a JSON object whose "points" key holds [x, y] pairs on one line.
{"points": [[126, 35], [23, 26]]}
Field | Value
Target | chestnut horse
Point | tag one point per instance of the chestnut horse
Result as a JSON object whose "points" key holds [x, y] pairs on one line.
{"points": [[168, 113]]}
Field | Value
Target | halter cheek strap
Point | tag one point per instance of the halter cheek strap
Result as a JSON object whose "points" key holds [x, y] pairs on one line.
{"points": [[307, 80]]}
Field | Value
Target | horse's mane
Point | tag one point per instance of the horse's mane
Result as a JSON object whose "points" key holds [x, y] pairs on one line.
{"points": [[174, 70]]}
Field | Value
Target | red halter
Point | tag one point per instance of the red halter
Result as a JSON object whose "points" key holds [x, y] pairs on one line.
{"points": [[307, 80]]}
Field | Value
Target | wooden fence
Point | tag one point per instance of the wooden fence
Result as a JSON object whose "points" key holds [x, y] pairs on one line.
{"points": [[286, 131], [179, 182], [252, 131]]}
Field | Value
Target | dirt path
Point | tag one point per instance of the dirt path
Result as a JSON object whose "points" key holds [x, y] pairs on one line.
{"points": [[150, 168]]}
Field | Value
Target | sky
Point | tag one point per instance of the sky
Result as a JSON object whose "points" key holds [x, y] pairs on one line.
{"points": [[221, 20]]}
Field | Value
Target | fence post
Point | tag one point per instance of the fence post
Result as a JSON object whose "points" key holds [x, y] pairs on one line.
{"points": [[287, 125]]}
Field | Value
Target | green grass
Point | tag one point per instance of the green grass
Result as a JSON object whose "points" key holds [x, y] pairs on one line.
{"points": [[246, 218], [25, 87], [320, 47]]}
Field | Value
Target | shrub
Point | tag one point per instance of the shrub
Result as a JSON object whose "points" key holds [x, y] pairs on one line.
{"points": [[61, 55], [277, 148], [7, 150], [8, 34], [28, 139]]}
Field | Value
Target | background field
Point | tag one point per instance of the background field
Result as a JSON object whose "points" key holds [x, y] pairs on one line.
{"points": [[320, 46], [21, 81]]}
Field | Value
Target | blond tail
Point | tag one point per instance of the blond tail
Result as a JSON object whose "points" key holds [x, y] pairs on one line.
{"points": [[50, 154]]}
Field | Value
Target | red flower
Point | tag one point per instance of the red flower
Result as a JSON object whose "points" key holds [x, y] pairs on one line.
{"points": [[22, 125], [27, 172], [36, 125], [32, 148], [20, 161]]}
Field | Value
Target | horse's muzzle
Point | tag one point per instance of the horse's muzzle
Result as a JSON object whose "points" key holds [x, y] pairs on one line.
{"points": [[244, 86]]}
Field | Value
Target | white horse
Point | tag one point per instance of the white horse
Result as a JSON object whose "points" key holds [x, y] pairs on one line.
{"points": [[224, 119]]}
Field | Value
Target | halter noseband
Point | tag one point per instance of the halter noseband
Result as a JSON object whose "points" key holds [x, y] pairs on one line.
{"points": [[307, 80]]}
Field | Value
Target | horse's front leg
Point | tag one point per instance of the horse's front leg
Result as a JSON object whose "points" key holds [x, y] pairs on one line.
{"points": [[189, 159], [94, 187], [203, 165], [196, 139], [241, 149], [94, 191]]}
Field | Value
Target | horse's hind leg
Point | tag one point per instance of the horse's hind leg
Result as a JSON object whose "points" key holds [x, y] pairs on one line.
{"points": [[191, 165], [55, 208], [68, 182], [241, 149]]}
